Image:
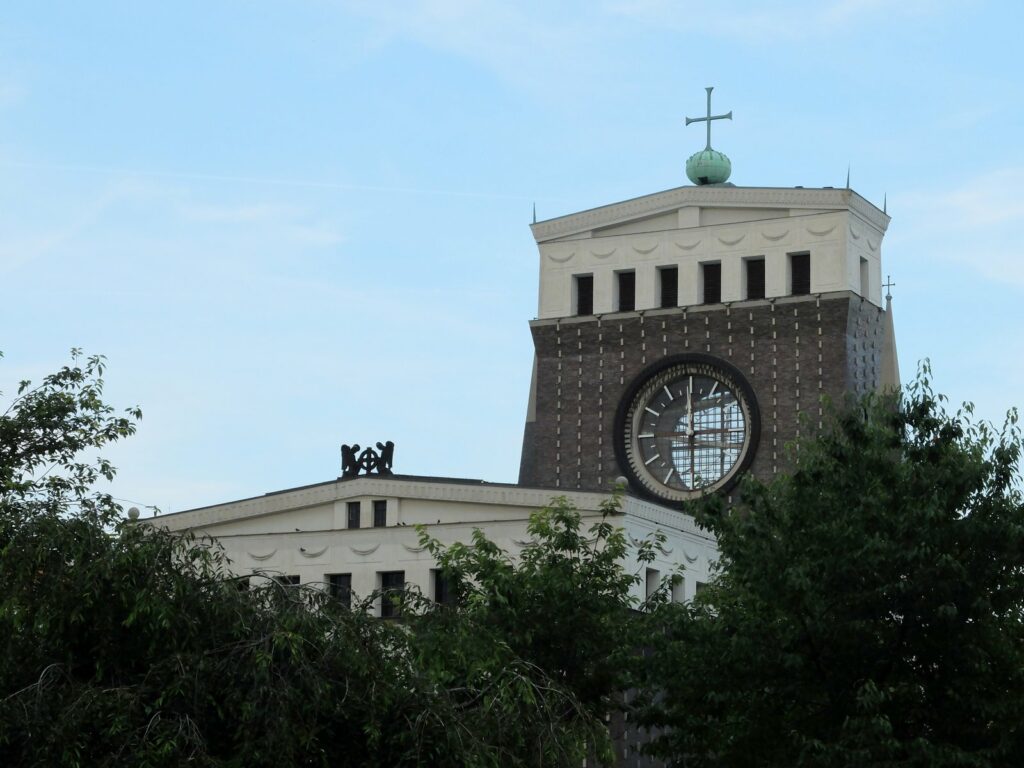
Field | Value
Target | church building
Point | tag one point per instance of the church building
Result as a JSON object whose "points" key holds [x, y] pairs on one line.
{"points": [[682, 339]]}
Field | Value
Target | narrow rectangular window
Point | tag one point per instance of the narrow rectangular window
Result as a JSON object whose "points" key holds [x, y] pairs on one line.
{"points": [[653, 581], [865, 280], [712, 279], [392, 587], [700, 585], [287, 581], [669, 286], [755, 278], [678, 590], [353, 514], [380, 513], [339, 586], [444, 593], [584, 294], [627, 291], [800, 273]]}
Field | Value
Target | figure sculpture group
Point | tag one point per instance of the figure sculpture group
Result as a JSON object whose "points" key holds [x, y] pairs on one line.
{"points": [[368, 461]]}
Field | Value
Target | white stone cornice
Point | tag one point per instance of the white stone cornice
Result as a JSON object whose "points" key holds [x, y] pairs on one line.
{"points": [[432, 489], [709, 197]]}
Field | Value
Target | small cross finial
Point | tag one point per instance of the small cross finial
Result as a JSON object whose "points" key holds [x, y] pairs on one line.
{"points": [[710, 117], [888, 285]]}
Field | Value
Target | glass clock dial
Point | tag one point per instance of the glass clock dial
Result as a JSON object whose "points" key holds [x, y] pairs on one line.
{"points": [[687, 426]]}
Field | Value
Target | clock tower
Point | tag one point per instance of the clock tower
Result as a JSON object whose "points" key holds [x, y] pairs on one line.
{"points": [[684, 337]]}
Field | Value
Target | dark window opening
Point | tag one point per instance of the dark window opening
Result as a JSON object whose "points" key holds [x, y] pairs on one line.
{"points": [[380, 513], [287, 581], [627, 291], [339, 586], [700, 586], [444, 589], [584, 294], [800, 273], [712, 274], [392, 587], [669, 277], [755, 278], [353, 514]]}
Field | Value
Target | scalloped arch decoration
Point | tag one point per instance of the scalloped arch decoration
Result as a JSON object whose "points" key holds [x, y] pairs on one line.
{"points": [[561, 258], [820, 232], [364, 551]]}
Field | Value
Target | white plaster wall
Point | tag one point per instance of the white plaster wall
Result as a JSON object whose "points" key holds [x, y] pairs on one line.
{"points": [[313, 542], [836, 239]]}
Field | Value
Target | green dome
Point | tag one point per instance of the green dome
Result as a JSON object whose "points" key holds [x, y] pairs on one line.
{"points": [[709, 166]]}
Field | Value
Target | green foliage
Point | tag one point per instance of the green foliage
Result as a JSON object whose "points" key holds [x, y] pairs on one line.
{"points": [[868, 608], [562, 609], [121, 644]]}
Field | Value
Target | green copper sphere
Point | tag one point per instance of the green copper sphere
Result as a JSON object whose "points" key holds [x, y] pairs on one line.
{"points": [[709, 166]]}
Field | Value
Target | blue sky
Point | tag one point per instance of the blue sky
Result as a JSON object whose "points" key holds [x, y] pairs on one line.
{"points": [[290, 225]]}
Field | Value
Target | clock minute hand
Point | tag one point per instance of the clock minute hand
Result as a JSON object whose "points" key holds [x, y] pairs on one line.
{"points": [[689, 409]]}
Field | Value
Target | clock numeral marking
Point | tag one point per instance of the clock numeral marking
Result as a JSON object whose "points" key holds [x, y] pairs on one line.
{"points": [[655, 456], [670, 398], [713, 389], [651, 410], [669, 475], [646, 435]]}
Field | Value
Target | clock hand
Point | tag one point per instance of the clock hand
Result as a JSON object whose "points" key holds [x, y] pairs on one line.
{"points": [[689, 409]]}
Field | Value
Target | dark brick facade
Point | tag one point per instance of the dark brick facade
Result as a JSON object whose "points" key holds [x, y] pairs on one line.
{"points": [[794, 351]]}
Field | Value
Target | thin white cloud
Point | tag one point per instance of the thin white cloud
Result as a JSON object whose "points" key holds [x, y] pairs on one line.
{"points": [[972, 224], [528, 47], [769, 22]]}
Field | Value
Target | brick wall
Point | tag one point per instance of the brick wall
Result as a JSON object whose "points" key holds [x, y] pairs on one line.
{"points": [[793, 351]]}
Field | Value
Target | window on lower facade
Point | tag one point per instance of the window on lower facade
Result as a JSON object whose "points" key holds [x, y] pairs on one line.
{"points": [[444, 590], [678, 589], [711, 277], [354, 511], [288, 581], [668, 286], [627, 291], [392, 589], [380, 513], [755, 278], [653, 581], [800, 274], [339, 586], [699, 587], [584, 294]]}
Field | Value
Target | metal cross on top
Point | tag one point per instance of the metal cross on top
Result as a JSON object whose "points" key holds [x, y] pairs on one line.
{"points": [[888, 285], [710, 117]]}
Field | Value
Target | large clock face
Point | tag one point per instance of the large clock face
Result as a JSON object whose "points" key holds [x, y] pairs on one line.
{"points": [[688, 425]]}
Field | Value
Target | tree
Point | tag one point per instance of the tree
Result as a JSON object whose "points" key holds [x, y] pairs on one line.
{"points": [[563, 606], [121, 644], [868, 608]]}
